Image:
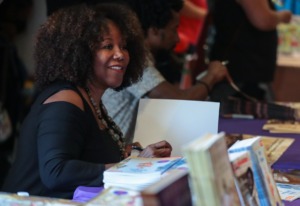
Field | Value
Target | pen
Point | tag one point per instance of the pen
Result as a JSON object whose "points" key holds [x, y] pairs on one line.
{"points": [[202, 74], [137, 148], [239, 116], [224, 63]]}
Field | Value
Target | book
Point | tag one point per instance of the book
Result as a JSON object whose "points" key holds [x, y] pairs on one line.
{"points": [[13, 199], [176, 121], [274, 146], [282, 126], [288, 192], [212, 178], [173, 190], [113, 196], [242, 169], [137, 173], [263, 178]]}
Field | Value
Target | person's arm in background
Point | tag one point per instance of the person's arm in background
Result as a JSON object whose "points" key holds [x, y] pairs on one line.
{"points": [[192, 10], [165, 90], [262, 16]]}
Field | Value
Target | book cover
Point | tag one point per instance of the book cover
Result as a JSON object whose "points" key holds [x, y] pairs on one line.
{"points": [[263, 178], [242, 168], [282, 126], [114, 196], [274, 146], [212, 178], [137, 172], [173, 190]]}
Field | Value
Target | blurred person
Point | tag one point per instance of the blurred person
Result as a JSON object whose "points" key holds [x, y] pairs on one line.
{"points": [[13, 73], [68, 139], [191, 21], [247, 38]]}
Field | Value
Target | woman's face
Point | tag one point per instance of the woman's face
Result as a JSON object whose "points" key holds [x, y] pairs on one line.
{"points": [[111, 59]]}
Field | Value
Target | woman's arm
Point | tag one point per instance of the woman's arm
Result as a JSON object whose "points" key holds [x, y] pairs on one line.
{"points": [[262, 16], [193, 11]]}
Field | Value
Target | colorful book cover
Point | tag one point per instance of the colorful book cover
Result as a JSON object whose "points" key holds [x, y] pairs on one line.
{"points": [[242, 168], [137, 172], [113, 196], [263, 178], [143, 166]]}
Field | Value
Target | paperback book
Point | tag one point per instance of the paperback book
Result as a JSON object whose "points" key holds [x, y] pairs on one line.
{"points": [[212, 178], [242, 168], [263, 178], [113, 196], [137, 173]]}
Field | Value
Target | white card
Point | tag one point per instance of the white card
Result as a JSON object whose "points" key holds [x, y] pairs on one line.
{"points": [[177, 121]]}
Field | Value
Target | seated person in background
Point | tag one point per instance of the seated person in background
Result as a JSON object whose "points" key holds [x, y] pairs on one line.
{"points": [[191, 21], [67, 139], [247, 38], [159, 20]]}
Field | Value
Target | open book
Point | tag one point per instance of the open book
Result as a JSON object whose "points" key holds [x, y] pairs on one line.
{"points": [[137, 173]]}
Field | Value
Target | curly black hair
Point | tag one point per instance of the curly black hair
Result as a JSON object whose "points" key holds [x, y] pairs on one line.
{"points": [[154, 13], [68, 40]]}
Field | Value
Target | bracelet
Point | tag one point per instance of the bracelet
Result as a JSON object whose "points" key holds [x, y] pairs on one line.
{"points": [[134, 147], [205, 85]]}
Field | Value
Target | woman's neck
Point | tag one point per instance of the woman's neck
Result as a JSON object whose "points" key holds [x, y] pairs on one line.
{"points": [[95, 91]]}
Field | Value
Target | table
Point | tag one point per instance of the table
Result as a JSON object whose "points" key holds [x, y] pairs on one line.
{"points": [[290, 159]]}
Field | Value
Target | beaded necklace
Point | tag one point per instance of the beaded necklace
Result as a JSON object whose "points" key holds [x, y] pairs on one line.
{"points": [[108, 124]]}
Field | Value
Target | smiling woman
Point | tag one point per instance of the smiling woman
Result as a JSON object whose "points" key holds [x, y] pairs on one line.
{"points": [[68, 139], [111, 59]]}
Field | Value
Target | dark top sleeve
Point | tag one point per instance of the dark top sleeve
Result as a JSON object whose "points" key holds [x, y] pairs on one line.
{"points": [[62, 132]]}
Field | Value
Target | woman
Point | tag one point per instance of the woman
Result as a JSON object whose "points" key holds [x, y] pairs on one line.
{"points": [[67, 139]]}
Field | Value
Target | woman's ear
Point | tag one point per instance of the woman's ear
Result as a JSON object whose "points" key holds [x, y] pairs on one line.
{"points": [[154, 37], [153, 32]]}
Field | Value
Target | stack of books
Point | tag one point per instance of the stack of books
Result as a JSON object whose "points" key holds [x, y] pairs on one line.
{"points": [[137, 173]]}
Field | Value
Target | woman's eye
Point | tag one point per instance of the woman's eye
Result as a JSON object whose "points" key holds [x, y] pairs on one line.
{"points": [[108, 46], [124, 47]]}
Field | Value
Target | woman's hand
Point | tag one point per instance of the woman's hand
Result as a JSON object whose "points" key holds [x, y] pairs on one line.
{"points": [[159, 149], [130, 147]]}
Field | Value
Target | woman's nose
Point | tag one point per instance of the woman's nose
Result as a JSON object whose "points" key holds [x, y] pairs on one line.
{"points": [[118, 55]]}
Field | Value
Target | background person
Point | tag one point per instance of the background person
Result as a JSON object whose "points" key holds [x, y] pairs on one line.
{"points": [[247, 38]]}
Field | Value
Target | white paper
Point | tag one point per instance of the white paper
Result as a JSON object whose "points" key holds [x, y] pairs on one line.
{"points": [[288, 192], [176, 121]]}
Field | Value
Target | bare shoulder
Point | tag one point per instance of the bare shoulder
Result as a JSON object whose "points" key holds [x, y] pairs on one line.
{"points": [[67, 95]]}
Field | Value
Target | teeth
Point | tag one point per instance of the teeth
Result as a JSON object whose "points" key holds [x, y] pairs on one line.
{"points": [[116, 68]]}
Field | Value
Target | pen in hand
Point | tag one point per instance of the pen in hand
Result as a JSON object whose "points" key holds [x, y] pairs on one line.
{"points": [[135, 147]]}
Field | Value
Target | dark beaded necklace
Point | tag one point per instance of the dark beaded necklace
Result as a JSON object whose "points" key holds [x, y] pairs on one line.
{"points": [[107, 123]]}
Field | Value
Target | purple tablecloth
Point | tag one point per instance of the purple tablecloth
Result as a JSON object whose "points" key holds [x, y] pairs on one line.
{"points": [[84, 194], [289, 160]]}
